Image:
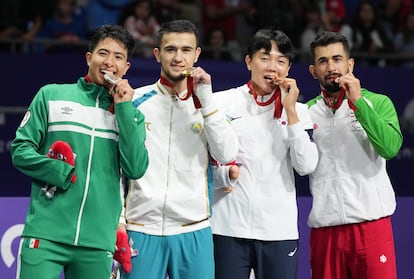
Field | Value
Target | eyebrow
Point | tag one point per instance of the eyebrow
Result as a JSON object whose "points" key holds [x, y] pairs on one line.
{"points": [[333, 56], [115, 52]]}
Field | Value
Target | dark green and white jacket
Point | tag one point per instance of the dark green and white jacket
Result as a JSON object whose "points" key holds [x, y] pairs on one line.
{"points": [[350, 183], [87, 212]]}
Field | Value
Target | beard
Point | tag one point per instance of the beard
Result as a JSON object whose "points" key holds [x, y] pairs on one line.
{"points": [[173, 78], [331, 87]]}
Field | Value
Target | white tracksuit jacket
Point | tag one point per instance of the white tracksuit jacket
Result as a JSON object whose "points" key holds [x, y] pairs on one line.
{"points": [[262, 205], [351, 184], [173, 196]]}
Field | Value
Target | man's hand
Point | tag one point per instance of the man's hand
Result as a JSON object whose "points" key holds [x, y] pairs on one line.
{"points": [[123, 250]]}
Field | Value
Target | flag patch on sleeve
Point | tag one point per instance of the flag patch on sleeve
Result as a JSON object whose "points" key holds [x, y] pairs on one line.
{"points": [[33, 243]]}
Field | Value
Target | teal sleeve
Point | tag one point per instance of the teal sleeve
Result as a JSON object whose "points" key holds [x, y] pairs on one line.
{"points": [[132, 135], [378, 117], [29, 154]]}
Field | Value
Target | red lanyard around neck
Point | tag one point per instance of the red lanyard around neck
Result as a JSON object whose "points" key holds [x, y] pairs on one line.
{"points": [[190, 90], [276, 98], [334, 105]]}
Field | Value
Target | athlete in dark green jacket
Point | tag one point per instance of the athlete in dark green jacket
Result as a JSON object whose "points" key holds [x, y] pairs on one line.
{"points": [[76, 227]]}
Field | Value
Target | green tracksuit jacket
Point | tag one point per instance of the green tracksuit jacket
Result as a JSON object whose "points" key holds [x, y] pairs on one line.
{"points": [[87, 212]]}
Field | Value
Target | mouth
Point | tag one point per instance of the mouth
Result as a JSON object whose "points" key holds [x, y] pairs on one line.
{"points": [[274, 80], [333, 78], [109, 77]]}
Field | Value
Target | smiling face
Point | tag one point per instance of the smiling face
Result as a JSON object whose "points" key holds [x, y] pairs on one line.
{"points": [[267, 64], [177, 52], [109, 56], [331, 62]]}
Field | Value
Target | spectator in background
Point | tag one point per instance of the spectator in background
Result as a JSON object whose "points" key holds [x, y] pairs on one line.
{"points": [[283, 15], [10, 19], [369, 35], [224, 13], [23, 18], [166, 10], [392, 14], [404, 41], [313, 24], [101, 12], [333, 14], [216, 47], [35, 14], [68, 26], [141, 22]]}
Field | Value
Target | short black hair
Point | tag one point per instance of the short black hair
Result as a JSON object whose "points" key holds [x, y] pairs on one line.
{"points": [[263, 38], [325, 38], [115, 32], [177, 26]]}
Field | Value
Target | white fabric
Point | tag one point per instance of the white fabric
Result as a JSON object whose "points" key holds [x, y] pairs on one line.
{"points": [[172, 196], [262, 204]]}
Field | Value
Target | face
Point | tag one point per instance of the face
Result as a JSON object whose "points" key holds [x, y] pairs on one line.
{"points": [[177, 52], [267, 64], [331, 62], [108, 56], [217, 38]]}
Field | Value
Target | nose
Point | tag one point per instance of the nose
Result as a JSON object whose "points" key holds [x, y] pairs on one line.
{"points": [[331, 65], [178, 55], [272, 66], [109, 60]]}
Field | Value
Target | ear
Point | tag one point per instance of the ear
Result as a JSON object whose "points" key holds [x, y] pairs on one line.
{"points": [[312, 71], [248, 62], [198, 52], [156, 52], [88, 58], [351, 64], [128, 65]]}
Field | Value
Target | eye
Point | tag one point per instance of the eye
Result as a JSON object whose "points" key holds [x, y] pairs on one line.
{"points": [[60, 157], [51, 153]]}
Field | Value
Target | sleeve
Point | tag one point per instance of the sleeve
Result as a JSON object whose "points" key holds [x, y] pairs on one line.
{"points": [[29, 154], [379, 119], [303, 151], [221, 177], [132, 136], [222, 140]]}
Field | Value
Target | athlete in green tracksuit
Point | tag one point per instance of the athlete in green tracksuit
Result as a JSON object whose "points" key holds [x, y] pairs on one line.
{"points": [[75, 229]]}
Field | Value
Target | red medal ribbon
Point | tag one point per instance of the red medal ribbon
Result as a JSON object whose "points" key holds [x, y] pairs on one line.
{"points": [[276, 98], [190, 90], [335, 105]]}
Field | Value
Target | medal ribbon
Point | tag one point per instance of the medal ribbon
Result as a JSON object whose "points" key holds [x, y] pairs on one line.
{"points": [[276, 98], [334, 105], [190, 90]]}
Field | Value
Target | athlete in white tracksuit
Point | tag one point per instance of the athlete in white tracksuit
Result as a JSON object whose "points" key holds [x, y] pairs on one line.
{"points": [[255, 222], [168, 210]]}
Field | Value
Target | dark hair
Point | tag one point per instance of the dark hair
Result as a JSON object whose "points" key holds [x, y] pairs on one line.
{"points": [[177, 26], [115, 32], [325, 38], [263, 38]]}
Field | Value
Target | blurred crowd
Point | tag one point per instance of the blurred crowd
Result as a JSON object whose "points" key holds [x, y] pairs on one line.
{"points": [[381, 31]]}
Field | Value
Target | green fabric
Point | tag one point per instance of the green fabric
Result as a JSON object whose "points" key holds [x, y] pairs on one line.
{"points": [[87, 212]]}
